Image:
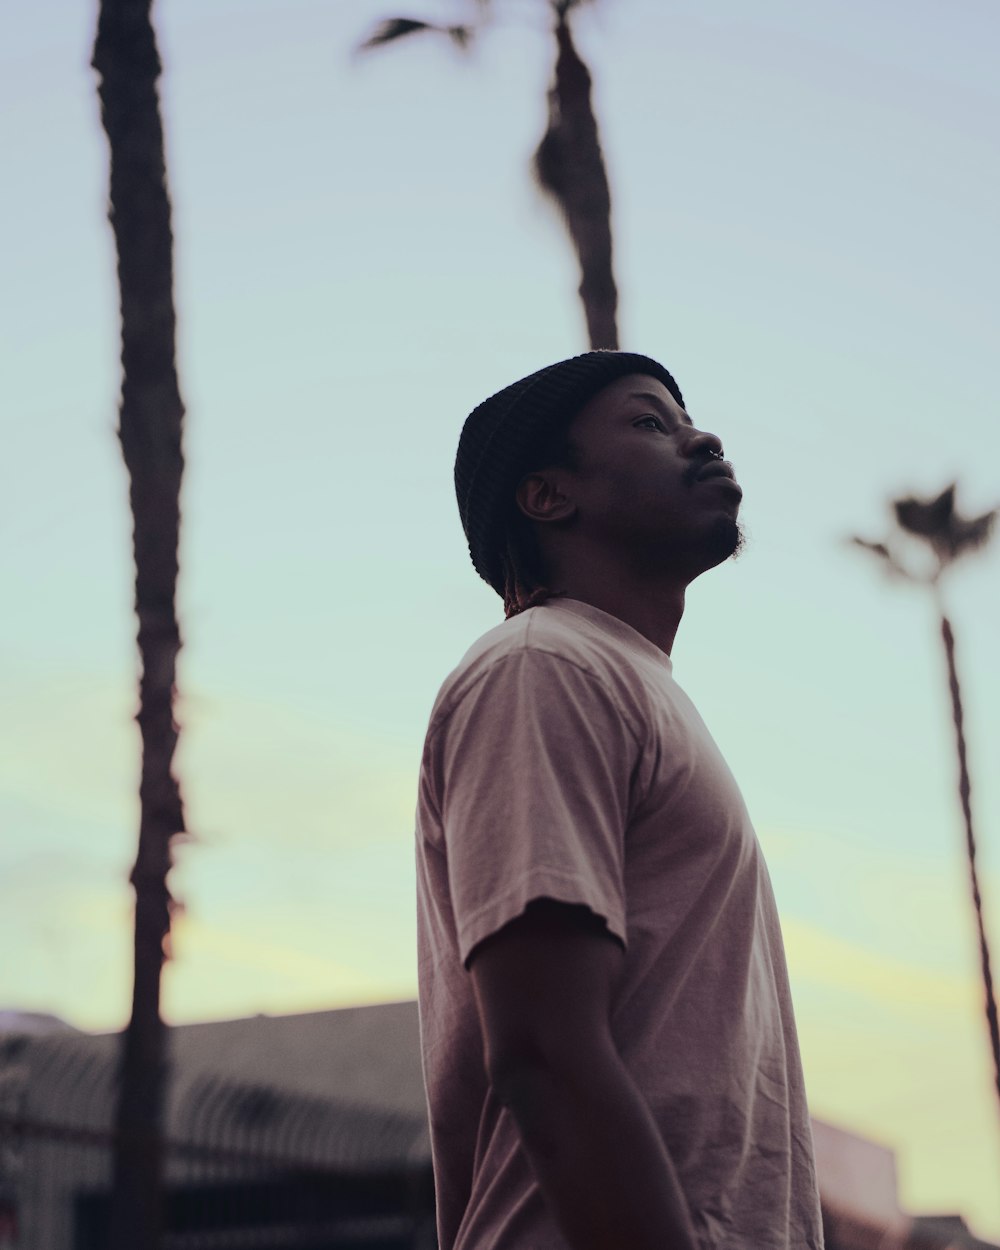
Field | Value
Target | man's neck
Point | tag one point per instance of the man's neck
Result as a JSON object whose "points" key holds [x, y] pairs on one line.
{"points": [[652, 609]]}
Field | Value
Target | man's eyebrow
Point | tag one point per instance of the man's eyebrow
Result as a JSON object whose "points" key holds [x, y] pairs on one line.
{"points": [[658, 400]]}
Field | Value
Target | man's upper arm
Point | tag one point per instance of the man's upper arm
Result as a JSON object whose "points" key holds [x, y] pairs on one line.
{"points": [[543, 986], [535, 766]]}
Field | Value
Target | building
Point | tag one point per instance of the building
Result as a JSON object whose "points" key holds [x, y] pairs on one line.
{"points": [[302, 1131]]}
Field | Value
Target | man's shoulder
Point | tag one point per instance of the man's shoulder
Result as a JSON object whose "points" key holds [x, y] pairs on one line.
{"points": [[530, 635], [539, 638]]}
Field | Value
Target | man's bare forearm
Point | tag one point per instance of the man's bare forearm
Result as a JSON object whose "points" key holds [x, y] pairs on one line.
{"points": [[598, 1155]]}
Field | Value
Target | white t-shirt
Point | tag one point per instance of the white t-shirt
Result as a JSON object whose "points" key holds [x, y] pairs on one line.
{"points": [[563, 761]]}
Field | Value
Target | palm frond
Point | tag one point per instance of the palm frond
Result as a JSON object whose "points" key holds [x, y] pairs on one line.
{"points": [[926, 518], [393, 28], [881, 551], [461, 36], [938, 523], [878, 549], [970, 534]]}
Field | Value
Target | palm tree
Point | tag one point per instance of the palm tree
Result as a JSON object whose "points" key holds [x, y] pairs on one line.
{"points": [[947, 536], [150, 425], [568, 164]]}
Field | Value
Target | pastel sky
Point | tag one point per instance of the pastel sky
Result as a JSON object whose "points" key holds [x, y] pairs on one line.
{"points": [[805, 206]]}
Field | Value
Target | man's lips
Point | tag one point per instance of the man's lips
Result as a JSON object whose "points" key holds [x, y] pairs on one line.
{"points": [[715, 468], [720, 470]]}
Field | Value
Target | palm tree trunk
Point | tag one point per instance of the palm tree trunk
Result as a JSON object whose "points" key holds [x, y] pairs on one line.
{"points": [[965, 797], [150, 428], [569, 165]]}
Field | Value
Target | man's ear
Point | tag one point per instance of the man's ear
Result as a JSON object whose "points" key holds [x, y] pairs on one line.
{"points": [[540, 498]]}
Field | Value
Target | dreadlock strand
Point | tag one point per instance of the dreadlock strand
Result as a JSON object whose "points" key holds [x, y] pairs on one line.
{"points": [[521, 587], [518, 582]]}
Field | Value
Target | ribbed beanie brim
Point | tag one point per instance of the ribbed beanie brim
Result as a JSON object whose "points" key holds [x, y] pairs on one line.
{"points": [[502, 431]]}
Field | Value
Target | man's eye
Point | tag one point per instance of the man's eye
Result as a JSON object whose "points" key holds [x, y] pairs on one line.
{"points": [[655, 420]]}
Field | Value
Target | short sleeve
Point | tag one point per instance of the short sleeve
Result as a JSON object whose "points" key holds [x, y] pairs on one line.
{"points": [[535, 764]]}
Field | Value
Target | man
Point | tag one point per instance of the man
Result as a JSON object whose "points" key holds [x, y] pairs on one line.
{"points": [[608, 1043]]}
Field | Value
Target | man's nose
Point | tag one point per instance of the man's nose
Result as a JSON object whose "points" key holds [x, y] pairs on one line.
{"points": [[700, 442]]}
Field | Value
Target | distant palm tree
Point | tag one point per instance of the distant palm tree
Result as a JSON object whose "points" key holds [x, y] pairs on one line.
{"points": [[948, 536], [568, 163], [150, 426]]}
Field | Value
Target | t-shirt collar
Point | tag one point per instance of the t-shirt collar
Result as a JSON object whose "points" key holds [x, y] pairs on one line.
{"points": [[620, 630]]}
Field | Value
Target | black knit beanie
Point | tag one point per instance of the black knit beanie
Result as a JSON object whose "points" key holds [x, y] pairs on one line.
{"points": [[500, 435]]}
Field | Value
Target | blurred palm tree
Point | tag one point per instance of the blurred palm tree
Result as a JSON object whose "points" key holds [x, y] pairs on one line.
{"points": [[945, 536], [150, 426], [568, 164]]}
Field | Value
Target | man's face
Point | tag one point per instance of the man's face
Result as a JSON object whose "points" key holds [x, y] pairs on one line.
{"points": [[647, 485]]}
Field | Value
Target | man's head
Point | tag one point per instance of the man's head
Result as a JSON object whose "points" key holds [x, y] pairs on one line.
{"points": [[593, 457]]}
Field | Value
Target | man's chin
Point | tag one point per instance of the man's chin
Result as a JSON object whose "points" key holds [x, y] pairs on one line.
{"points": [[741, 542], [726, 541]]}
